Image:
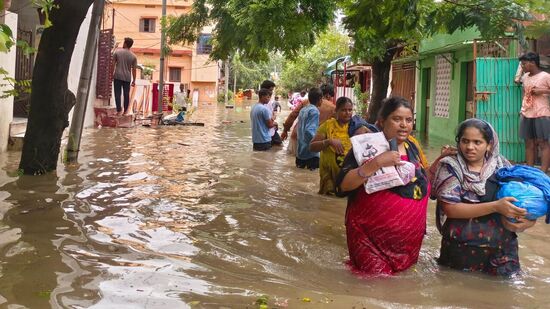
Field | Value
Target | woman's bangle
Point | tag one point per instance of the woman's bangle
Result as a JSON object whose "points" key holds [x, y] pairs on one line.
{"points": [[360, 173]]}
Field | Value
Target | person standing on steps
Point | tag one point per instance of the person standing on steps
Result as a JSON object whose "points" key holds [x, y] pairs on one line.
{"points": [[124, 74], [534, 125]]}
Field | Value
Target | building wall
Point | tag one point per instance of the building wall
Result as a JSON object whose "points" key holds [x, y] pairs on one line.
{"points": [[207, 92], [204, 70], [442, 41], [146, 46], [29, 22], [26, 14], [196, 72], [183, 62], [7, 62], [443, 128], [27, 19], [76, 67], [204, 77]]}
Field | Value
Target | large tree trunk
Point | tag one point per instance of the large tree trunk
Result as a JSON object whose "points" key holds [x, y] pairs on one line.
{"points": [[380, 81], [51, 100]]}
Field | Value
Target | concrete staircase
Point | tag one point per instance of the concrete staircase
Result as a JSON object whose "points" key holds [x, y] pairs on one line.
{"points": [[18, 126], [107, 117], [104, 116]]}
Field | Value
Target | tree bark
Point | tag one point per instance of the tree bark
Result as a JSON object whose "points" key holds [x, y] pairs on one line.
{"points": [[380, 80], [51, 100]]}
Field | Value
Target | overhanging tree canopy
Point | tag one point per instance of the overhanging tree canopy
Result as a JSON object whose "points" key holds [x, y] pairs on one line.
{"points": [[381, 28], [254, 27], [306, 70]]}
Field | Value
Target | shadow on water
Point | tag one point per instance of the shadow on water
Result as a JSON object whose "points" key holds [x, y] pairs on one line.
{"points": [[33, 228], [191, 217]]}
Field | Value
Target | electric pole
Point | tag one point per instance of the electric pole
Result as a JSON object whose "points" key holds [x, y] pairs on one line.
{"points": [[79, 113], [162, 54], [226, 79], [234, 81]]}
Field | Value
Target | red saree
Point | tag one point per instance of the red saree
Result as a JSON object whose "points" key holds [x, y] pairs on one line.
{"points": [[384, 231]]}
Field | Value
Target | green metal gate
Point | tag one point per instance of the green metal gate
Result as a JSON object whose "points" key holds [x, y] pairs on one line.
{"points": [[498, 101]]}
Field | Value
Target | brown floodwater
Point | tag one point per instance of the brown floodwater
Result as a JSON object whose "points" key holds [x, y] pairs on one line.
{"points": [[190, 217]]}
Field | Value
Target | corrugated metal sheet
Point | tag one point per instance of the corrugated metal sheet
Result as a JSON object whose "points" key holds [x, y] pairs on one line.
{"points": [[496, 75]]}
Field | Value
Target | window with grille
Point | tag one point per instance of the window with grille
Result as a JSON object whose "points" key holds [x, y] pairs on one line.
{"points": [[204, 44], [147, 25], [174, 74]]}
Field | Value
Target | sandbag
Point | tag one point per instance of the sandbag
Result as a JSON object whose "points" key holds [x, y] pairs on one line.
{"points": [[529, 197]]}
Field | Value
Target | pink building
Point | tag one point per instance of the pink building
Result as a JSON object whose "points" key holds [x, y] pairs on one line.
{"points": [[188, 65]]}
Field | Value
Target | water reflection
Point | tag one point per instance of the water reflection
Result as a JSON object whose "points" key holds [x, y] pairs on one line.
{"points": [[33, 228], [191, 217]]}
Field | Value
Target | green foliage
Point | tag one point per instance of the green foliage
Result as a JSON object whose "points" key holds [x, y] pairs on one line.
{"points": [[12, 87], [362, 103], [262, 302], [254, 27], [8, 85], [6, 38], [306, 70], [539, 27], [147, 70], [381, 28], [45, 6], [221, 96], [186, 28], [378, 25], [45, 294], [250, 73], [15, 173], [493, 18]]}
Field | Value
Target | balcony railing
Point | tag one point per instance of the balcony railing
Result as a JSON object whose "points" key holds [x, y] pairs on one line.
{"points": [[204, 49]]}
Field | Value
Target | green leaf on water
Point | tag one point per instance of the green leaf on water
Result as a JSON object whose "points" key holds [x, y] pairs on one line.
{"points": [[262, 301], [44, 294]]}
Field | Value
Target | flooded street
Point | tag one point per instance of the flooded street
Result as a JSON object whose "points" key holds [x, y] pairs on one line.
{"points": [[190, 217]]}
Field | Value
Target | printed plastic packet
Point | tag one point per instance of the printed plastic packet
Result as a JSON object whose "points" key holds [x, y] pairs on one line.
{"points": [[365, 148]]}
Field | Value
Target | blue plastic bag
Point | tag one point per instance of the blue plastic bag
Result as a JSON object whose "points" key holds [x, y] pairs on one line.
{"points": [[529, 197]]}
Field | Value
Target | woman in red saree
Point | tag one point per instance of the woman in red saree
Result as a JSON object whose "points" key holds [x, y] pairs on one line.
{"points": [[385, 229]]}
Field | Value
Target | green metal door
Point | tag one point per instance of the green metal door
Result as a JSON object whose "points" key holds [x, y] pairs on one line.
{"points": [[498, 101]]}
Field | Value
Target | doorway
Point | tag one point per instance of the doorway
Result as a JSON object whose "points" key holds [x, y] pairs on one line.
{"points": [[470, 108], [425, 99]]}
